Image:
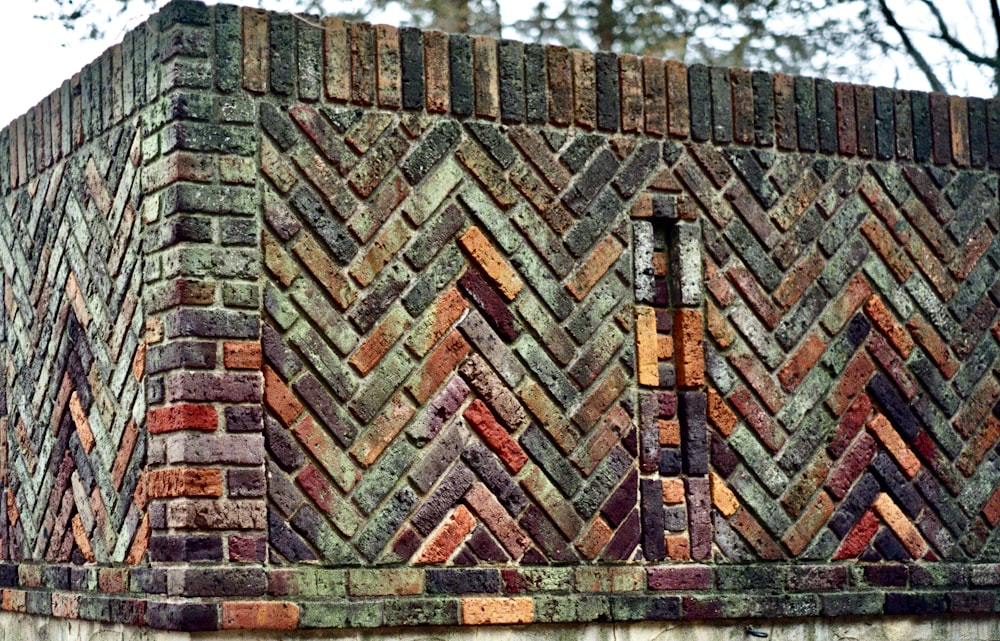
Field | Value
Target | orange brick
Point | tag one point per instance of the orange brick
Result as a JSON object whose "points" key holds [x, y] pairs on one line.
{"points": [[594, 538], [383, 430], [449, 536], [82, 540], [188, 416], [646, 346], [670, 433], [690, 360], [448, 310], [241, 355], [643, 206], [281, 400], [139, 361], [930, 340], [722, 497], [660, 264], [665, 347], [482, 611], [491, 262], [721, 416], [14, 600], [883, 319], [259, 615], [496, 437], [124, 455], [673, 491], [82, 423], [368, 355], [678, 547], [880, 426], [317, 261], [442, 361], [187, 482], [140, 542], [801, 534], [597, 264], [718, 327]]}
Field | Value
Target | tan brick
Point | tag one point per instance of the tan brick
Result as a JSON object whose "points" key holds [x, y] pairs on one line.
{"points": [[630, 73], [256, 50], [336, 59], [880, 426], [597, 264], [437, 76], [584, 89], [646, 346], [389, 69], [486, 80], [483, 611], [908, 535], [491, 262]]}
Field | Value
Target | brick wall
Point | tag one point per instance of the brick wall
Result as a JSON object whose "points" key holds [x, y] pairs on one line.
{"points": [[317, 324]]}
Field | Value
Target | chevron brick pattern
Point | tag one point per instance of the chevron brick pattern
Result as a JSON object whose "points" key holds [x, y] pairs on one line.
{"points": [[851, 321], [73, 454], [447, 353]]}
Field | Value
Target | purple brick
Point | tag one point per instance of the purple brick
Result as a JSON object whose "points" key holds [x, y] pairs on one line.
{"points": [[817, 577], [679, 578], [483, 545], [444, 497], [545, 534], [481, 581], [623, 544], [490, 303], [653, 546], [622, 500], [699, 517], [694, 433], [189, 617], [891, 575]]}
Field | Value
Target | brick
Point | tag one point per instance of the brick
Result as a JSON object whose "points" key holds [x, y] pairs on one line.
{"points": [[453, 531], [491, 262], [182, 417], [495, 436], [688, 348], [255, 615], [847, 125], [187, 482], [678, 105], [436, 70]]}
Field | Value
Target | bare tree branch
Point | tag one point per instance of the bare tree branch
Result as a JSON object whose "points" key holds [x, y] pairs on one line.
{"points": [[944, 34], [913, 52]]}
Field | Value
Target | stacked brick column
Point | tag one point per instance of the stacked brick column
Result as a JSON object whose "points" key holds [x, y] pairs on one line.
{"points": [[205, 478]]}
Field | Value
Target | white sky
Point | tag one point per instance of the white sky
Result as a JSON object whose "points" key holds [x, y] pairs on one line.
{"points": [[38, 54]]}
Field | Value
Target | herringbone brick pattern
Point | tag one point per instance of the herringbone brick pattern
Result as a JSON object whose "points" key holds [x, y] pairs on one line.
{"points": [[448, 353], [852, 332], [73, 361]]}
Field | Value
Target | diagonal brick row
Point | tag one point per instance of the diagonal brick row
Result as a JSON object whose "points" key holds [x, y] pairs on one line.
{"points": [[448, 352], [851, 324], [73, 456]]}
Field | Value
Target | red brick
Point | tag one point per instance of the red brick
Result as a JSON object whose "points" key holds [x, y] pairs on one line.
{"points": [[757, 418], [560, 72], [496, 437], [859, 536], [886, 246], [933, 344], [753, 294], [802, 361], [847, 124], [759, 379], [259, 615], [437, 72], [992, 508], [756, 536], [852, 380], [986, 437], [677, 99], [188, 416], [124, 455], [314, 483], [741, 81], [851, 466], [279, 398], [959, 108]]}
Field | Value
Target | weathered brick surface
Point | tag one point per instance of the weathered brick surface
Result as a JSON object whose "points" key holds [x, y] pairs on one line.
{"points": [[579, 352]]}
